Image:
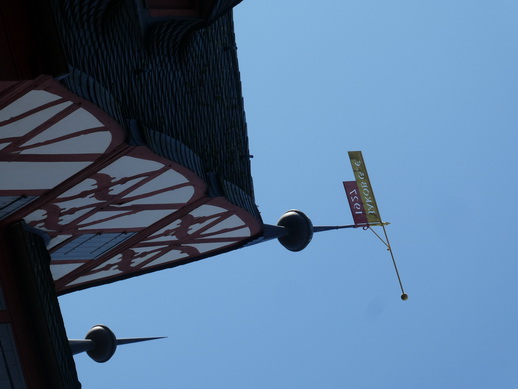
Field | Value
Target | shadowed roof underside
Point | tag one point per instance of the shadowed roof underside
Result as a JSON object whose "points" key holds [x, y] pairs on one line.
{"points": [[173, 86]]}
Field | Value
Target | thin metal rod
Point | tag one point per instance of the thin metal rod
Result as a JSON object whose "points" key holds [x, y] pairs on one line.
{"points": [[393, 260], [81, 345], [379, 237], [329, 228], [136, 340]]}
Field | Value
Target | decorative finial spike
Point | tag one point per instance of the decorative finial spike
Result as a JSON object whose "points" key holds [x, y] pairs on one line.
{"points": [[100, 343], [136, 340]]}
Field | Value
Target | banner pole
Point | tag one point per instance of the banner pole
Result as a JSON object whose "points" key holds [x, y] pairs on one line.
{"points": [[329, 228], [404, 296], [363, 190]]}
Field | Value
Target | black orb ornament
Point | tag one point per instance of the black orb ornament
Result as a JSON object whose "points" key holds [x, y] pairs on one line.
{"points": [[299, 230]]}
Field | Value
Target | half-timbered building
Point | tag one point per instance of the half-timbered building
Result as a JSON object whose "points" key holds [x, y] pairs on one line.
{"points": [[123, 150]]}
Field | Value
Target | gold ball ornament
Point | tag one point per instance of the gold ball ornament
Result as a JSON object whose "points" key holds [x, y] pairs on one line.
{"points": [[404, 297]]}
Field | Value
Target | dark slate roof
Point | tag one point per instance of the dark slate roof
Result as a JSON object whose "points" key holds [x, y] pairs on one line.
{"points": [[41, 307], [174, 85]]}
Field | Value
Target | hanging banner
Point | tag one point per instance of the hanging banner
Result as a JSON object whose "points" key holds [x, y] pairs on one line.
{"points": [[355, 203], [364, 187]]}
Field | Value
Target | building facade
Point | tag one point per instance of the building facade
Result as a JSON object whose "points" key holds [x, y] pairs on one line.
{"points": [[123, 150]]}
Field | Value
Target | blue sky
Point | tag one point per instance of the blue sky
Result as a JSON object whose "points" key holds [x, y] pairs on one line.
{"points": [[428, 92]]}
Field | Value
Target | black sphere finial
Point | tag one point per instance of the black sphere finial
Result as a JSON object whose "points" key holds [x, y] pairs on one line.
{"points": [[299, 230], [105, 343]]}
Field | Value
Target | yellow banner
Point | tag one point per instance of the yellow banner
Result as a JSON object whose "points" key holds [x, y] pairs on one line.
{"points": [[365, 187]]}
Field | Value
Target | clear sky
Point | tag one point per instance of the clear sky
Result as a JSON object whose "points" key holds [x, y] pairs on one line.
{"points": [[428, 90]]}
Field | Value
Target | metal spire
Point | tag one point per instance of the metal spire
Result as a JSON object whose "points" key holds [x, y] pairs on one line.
{"points": [[100, 343]]}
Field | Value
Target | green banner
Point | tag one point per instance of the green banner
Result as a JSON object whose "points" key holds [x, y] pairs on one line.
{"points": [[365, 187]]}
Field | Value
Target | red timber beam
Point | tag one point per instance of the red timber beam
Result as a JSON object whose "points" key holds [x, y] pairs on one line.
{"points": [[122, 211]]}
